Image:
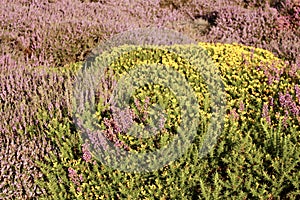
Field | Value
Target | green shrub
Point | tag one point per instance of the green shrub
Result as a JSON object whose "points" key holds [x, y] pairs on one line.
{"points": [[256, 155]]}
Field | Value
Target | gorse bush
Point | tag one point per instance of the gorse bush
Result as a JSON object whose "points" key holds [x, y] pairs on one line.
{"points": [[256, 156], [158, 93], [270, 77]]}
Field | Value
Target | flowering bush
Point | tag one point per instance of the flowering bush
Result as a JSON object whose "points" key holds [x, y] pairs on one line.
{"points": [[258, 114]]}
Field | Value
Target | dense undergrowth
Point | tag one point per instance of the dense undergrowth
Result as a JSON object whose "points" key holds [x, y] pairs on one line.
{"points": [[43, 44]]}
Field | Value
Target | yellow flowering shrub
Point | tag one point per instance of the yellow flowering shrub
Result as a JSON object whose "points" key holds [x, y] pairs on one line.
{"points": [[250, 160]]}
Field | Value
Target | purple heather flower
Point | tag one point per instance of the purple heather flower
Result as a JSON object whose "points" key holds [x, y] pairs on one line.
{"points": [[86, 153], [287, 102], [162, 121], [147, 100], [242, 106], [137, 104], [297, 91], [284, 121], [294, 109], [73, 175], [265, 113], [72, 172], [270, 79], [271, 101], [234, 114], [81, 177], [123, 119], [293, 70]]}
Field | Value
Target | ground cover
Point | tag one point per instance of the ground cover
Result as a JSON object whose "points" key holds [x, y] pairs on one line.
{"points": [[257, 154]]}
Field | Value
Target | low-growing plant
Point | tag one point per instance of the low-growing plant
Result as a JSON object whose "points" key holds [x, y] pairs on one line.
{"points": [[40, 147], [256, 156]]}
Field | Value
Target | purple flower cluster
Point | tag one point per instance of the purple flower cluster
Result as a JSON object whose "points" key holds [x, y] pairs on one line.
{"points": [[74, 177], [29, 97], [111, 132], [297, 92], [234, 115], [25, 91], [123, 119], [265, 113], [295, 68], [86, 154], [287, 102], [290, 14], [120, 122], [54, 33], [242, 106], [273, 73]]}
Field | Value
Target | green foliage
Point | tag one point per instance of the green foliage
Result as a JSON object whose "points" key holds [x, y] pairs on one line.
{"points": [[253, 158], [159, 94]]}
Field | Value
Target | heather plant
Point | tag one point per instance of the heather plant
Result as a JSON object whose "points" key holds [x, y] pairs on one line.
{"points": [[267, 27], [241, 25], [68, 37], [174, 4], [194, 28], [58, 33], [27, 96], [290, 15], [19, 170]]}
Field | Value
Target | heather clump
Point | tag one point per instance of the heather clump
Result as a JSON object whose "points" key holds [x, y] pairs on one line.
{"points": [[260, 24], [26, 90], [27, 95], [56, 34], [259, 28], [289, 15], [69, 34]]}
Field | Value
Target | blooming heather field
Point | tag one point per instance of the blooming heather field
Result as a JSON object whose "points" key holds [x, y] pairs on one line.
{"points": [[255, 44]]}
